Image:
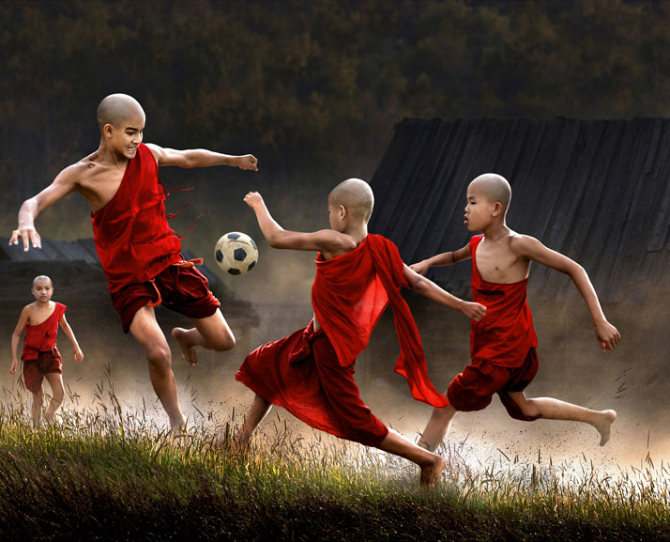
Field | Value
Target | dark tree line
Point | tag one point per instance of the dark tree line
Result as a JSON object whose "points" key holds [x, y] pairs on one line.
{"points": [[314, 85]]}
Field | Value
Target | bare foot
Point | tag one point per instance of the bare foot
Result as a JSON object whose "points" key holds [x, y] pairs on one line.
{"points": [[430, 473], [188, 351], [234, 444], [178, 426], [605, 425]]}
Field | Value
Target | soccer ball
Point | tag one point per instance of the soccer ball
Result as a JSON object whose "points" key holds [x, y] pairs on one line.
{"points": [[236, 253]]}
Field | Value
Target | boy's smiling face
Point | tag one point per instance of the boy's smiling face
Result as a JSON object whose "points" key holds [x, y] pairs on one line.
{"points": [[125, 138], [479, 211]]}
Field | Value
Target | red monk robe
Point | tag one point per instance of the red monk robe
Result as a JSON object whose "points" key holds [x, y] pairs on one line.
{"points": [[40, 354], [42, 337], [131, 233], [506, 334], [311, 374]]}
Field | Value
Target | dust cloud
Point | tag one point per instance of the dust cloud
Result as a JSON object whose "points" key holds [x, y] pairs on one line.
{"points": [[273, 300]]}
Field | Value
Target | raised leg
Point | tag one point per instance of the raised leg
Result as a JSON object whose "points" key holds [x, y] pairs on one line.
{"points": [[148, 333], [211, 332], [554, 409]]}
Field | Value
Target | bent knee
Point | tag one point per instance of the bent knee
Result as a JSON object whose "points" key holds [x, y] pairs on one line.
{"points": [[467, 399], [222, 343], [522, 409], [58, 395], [159, 357], [529, 410]]}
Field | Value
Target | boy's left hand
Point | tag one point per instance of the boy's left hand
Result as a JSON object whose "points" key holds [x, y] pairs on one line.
{"points": [[607, 335], [79, 356], [248, 161], [474, 311]]}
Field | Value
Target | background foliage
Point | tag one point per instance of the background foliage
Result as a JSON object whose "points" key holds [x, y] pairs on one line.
{"points": [[312, 84]]}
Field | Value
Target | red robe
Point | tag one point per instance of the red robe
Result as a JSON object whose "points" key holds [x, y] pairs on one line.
{"points": [[42, 337], [506, 334], [131, 233], [312, 374]]}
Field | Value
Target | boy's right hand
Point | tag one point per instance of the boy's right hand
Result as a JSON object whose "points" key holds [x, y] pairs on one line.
{"points": [[607, 335], [29, 235], [474, 311], [13, 366], [420, 267], [254, 200]]}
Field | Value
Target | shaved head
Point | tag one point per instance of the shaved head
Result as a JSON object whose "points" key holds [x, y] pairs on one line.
{"points": [[40, 278], [356, 196], [494, 187], [116, 108]]}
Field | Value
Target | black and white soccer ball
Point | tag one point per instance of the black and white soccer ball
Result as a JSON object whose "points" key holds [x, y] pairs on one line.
{"points": [[236, 253]]}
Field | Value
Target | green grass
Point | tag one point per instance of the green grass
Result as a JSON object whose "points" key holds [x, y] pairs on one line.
{"points": [[105, 474]]}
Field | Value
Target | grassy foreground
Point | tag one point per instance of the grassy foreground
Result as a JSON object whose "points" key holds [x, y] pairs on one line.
{"points": [[111, 476]]}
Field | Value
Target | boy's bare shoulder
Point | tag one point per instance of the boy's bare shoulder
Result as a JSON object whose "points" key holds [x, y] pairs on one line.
{"points": [[519, 242], [526, 246], [75, 172]]}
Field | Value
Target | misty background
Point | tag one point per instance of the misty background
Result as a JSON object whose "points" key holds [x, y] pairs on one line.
{"points": [[313, 89]]}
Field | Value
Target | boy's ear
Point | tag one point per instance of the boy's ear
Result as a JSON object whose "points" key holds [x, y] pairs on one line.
{"points": [[108, 130], [497, 208], [344, 212]]}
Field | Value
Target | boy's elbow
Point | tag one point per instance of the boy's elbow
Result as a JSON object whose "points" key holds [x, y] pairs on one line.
{"points": [[276, 240], [419, 285]]}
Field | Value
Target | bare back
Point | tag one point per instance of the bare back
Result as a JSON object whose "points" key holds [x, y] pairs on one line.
{"points": [[498, 261]]}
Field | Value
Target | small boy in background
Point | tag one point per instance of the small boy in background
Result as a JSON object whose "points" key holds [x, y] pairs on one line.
{"points": [[503, 343], [41, 358]]}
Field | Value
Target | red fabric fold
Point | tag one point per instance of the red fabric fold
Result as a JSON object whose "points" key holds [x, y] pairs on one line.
{"points": [[131, 232], [350, 294], [42, 337], [506, 334]]}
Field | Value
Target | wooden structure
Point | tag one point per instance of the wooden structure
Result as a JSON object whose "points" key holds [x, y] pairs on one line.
{"points": [[595, 190]]}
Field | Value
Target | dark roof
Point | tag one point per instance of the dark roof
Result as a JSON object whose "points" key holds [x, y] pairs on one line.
{"points": [[81, 250], [595, 190]]}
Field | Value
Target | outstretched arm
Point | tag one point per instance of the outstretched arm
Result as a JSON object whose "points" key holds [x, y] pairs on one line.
{"points": [[329, 242], [200, 158], [421, 285], [15, 340], [62, 185], [524, 246], [445, 258], [78, 354]]}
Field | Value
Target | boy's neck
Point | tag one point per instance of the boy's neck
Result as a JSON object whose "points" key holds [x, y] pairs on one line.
{"points": [[356, 231], [107, 156], [496, 230]]}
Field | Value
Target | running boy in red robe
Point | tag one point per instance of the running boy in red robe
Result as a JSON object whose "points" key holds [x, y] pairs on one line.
{"points": [[503, 343], [139, 252], [41, 358], [310, 373]]}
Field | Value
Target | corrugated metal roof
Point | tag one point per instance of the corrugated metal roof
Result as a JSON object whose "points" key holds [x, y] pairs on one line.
{"points": [[595, 190]]}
